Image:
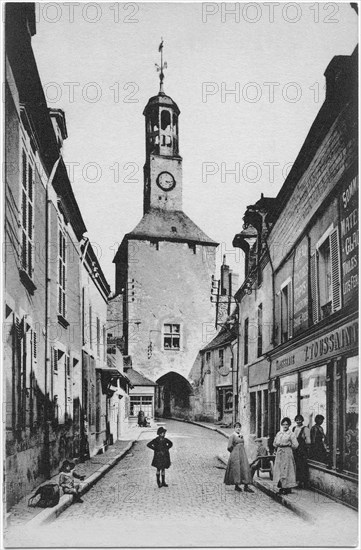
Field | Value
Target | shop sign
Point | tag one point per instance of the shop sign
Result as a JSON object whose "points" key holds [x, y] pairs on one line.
{"points": [[349, 241], [258, 373], [300, 282], [328, 345]]}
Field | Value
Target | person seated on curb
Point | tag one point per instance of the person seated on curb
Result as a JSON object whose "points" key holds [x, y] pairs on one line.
{"points": [[67, 482]]}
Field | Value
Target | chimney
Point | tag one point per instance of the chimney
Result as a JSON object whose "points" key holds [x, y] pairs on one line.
{"points": [[341, 77]]}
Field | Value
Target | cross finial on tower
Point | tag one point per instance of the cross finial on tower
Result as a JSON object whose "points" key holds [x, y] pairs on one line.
{"points": [[161, 67]]}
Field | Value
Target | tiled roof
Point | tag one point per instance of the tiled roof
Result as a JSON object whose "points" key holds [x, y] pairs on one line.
{"points": [[138, 379], [170, 225], [222, 338]]}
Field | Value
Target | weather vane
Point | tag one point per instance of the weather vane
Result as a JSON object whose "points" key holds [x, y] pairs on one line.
{"points": [[161, 67]]}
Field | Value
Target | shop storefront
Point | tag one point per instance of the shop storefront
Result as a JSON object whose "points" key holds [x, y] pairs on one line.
{"points": [[258, 376], [317, 376], [224, 403]]}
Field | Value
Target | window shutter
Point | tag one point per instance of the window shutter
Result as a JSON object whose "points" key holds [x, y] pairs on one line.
{"points": [[19, 329], [335, 270], [24, 170], [35, 343], [314, 288], [290, 310], [55, 360]]}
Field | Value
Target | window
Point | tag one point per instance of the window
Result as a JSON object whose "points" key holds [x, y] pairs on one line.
{"points": [[90, 327], [288, 396], [286, 311], [325, 277], [104, 343], [62, 274], [171, 336], [208, 357], [228, 404], [246, 330], [27, 216], [25, 356], [141, 402], [224, 400], [67, 387], [253, 414], [98, 337], [351, 416], [313, 395], [62, 385], [260, 327], [220, 358], [259, 412]]}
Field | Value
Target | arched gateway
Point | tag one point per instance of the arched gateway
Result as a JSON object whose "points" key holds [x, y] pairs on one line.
{"points": [[174, 396]]}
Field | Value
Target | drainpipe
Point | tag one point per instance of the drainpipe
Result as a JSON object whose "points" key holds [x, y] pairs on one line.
{"points": [[47, 467], [237, 365]]}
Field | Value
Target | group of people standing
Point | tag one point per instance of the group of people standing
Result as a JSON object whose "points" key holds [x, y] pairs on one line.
{"points": [[293, 448], [290, 466]]}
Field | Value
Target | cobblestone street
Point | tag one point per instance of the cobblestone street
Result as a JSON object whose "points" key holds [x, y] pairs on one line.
{"points": [[126, 508]]}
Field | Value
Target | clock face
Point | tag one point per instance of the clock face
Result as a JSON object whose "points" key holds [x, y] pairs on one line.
{"points": [[165, 181]]}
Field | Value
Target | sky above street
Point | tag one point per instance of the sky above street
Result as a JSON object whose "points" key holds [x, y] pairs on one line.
{"points": [[248, 79]]}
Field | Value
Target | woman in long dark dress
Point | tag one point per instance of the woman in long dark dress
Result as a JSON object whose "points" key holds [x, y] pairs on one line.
{"points": [[161, 459], [238, 470], [301, 453]]}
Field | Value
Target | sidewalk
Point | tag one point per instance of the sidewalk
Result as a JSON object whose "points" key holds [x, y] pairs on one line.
{"points": [[93, 469], [306, 503]]}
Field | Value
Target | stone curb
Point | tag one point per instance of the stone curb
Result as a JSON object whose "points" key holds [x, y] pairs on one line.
{"points": [[50, 514], [281, 499], [201, 425]]}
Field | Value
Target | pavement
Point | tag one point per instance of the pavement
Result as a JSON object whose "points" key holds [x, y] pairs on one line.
{"points": [[93, 469], [124, 507]]}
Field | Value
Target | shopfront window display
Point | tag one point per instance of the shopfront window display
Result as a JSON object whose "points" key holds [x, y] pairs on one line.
{"points": [[288, 395], [313, 393], [351, 416]]}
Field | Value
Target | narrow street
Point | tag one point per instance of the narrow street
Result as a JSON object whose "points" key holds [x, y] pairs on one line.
{"points": [[126, 508]]}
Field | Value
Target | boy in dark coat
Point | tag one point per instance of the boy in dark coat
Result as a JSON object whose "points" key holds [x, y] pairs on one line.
{"points": [[161, 460]]}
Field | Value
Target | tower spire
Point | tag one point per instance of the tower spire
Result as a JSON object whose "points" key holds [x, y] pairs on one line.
{"points": [[161, 67]]}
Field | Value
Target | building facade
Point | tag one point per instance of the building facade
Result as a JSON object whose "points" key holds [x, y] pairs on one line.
{"points": [[46, 271], [214, 373], [96, 410], [309, 267]]}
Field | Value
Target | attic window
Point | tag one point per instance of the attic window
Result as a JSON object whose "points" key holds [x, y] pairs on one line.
{"points": [[174, 229]]}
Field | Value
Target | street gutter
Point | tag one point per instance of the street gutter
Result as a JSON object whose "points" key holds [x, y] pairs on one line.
{"points": [[49, 514]]}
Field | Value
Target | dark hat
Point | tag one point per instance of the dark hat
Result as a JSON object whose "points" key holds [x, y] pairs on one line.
{"points": [[161, 430], [67, 464]]}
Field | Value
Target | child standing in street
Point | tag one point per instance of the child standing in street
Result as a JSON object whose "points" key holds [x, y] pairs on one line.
{"points": [[66, 480], [161, 460]]}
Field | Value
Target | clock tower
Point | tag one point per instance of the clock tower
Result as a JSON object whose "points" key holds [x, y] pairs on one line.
{"points": [[163, 271], [163, 163]]}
